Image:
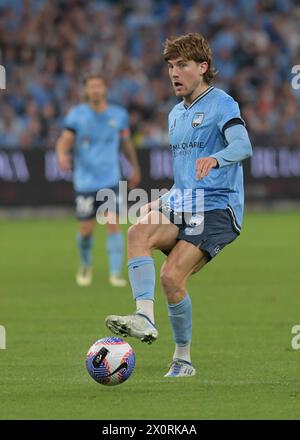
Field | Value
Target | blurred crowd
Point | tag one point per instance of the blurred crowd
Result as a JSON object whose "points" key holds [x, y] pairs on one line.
{"points": [[46, 47]]}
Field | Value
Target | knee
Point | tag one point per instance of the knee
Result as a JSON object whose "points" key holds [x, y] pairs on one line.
{"points": [[137, 234], [112, 222], [172, 283], [113, 228], [85, 229], [169, 280]]}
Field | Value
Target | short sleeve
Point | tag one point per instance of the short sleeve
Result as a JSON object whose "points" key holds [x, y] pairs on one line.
{"points": [[124, 124], [229, 114], [70, 121]]}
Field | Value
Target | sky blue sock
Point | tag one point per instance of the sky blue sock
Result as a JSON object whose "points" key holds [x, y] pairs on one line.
{"points": [[141, 272], [115, 250], [181, 321], [85, 246]]}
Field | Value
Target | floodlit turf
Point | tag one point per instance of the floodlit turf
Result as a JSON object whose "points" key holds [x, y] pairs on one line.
{"points": [[245, 304]]}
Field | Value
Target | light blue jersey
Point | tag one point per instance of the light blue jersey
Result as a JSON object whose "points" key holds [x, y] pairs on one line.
{"points": [[98, 136], [197, 131]]}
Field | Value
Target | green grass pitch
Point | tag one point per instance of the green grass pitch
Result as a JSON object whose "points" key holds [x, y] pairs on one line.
{"points": [[245, 304]]}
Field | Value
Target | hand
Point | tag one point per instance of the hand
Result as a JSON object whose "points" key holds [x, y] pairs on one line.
{"points": [[204, 165], [134, 179], [64, 162], [144, 210]]}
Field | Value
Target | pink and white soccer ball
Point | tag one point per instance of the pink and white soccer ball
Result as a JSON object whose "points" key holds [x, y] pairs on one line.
{"points": [[110, 361]]}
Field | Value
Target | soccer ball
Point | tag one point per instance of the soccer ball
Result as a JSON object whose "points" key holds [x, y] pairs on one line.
{"points": [[110, 361]]}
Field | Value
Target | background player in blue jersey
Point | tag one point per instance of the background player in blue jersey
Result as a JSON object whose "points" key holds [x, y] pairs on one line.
{"points": [[208, 140], [96, 130]]}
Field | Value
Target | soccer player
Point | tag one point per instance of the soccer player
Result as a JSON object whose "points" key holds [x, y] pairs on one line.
{"points": [[97, 130], [208, 140]]}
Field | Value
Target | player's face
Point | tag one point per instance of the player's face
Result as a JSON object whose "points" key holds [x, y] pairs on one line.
{"points": [[95, 90], [186, 76]]}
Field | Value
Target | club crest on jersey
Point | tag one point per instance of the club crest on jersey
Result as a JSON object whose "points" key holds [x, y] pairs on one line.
{"points": [[197, 119]]}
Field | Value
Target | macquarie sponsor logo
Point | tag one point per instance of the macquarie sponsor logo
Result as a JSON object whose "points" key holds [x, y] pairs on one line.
{"points": [[185, 148]]}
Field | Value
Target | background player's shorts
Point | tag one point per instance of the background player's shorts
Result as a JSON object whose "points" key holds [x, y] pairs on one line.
{"points": [[214, 233], [86, 204]]}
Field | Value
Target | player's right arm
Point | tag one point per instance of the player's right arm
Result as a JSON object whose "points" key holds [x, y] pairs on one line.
{"points": [[63, 146]]}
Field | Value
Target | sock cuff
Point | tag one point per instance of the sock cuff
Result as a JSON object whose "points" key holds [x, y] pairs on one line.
{"points": [[114, 234], [140, 260], [177, 308]]}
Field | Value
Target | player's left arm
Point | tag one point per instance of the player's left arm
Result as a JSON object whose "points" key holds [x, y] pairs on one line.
{"points": [[130, 153], [239, 148]]}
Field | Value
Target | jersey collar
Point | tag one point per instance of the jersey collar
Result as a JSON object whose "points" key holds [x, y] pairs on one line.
{"points": [[187, 107]]}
